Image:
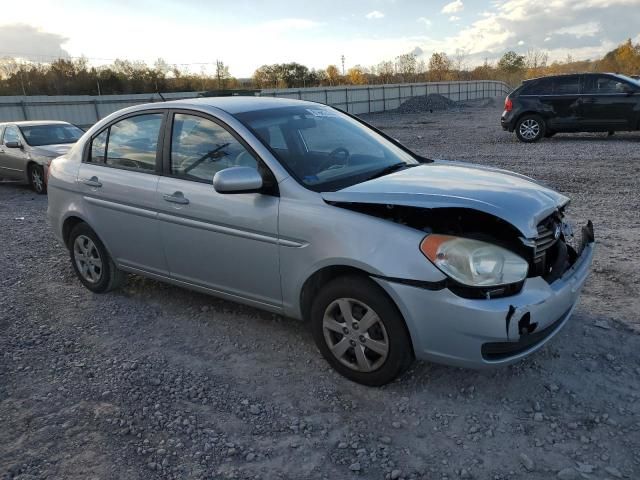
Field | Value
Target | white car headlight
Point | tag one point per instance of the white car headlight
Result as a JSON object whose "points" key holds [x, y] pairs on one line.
{"points": [[472, 262]]}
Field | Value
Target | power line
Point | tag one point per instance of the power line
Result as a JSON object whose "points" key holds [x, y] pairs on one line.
{"points": [[26, 56]]}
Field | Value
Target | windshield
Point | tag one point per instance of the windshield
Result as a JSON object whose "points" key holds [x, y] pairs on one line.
{"points": [[630, 79], [38, 135], [324, 149]]}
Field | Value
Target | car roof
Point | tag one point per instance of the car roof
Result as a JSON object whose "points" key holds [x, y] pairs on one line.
{"points": [[240, 104], [560, 75], [33, 123]]}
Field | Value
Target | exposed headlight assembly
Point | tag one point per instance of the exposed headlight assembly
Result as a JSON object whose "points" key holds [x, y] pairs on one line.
{"points": [[472, 262]]}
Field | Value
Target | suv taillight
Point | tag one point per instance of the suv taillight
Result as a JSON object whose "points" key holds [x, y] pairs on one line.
{"points": [[508, 104]]}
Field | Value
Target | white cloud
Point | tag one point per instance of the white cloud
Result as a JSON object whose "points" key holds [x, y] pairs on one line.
{"points": [[453, 18], [375, 15], [453, 7], [289, 24], [589, 29], [425, 21], [521, 42]]}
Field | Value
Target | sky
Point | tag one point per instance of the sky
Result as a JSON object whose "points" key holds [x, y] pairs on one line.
{"points": [[245, 34]]}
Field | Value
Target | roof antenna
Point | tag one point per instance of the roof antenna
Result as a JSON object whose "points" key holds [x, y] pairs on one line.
{"points": [[160, 95]]}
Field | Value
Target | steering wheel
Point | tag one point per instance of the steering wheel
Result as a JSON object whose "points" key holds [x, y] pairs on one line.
{"points": [[337, 154]]}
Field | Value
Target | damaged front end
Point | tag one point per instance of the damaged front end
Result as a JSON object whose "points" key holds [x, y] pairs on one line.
{"points": [[479, 326], [551, 253]]}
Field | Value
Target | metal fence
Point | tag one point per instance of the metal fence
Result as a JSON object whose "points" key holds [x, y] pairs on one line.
{"points": [[85, 110], [378, 98]]}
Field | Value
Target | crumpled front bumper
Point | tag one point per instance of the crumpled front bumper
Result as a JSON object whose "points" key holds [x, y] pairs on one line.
{"points": [[476, 333]]}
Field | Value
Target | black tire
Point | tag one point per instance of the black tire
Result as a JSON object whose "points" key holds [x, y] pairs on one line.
{"points": [[390, 330], [36, 179], [107, 277], [530, 128]]}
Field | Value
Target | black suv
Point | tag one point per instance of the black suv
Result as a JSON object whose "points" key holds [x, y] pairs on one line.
{"points": [[588, 102]]}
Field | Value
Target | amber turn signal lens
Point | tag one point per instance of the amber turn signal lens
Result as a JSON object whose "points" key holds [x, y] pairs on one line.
{"points": [[430, 245]]}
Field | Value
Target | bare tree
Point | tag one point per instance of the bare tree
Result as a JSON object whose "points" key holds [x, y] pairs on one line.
{"points": [[222, 74], [386, 71]]}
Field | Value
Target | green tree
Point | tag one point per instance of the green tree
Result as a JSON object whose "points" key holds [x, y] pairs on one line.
{"points": [[511, 62]]}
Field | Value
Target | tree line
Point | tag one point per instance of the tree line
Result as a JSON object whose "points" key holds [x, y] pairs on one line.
{"points": [[77, 77]]}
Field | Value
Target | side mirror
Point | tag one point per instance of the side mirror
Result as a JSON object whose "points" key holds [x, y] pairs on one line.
{"points": [[628, 89], [237, 180], [15, 144]]}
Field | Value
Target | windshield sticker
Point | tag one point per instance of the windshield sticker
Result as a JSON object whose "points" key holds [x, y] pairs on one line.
{"points": [[322, 113]]}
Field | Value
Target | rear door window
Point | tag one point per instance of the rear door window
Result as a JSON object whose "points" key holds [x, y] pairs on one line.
{"points": [[131, 143], [601, 84]]}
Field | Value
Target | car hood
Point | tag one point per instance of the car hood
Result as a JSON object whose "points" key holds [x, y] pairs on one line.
{"points": [[52, 150], [514, 198]]}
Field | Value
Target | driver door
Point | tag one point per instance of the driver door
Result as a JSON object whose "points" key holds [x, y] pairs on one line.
{"points": [[225, 243]]}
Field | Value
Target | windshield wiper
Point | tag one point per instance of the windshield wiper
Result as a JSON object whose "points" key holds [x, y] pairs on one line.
{"points": [[389, 169]]}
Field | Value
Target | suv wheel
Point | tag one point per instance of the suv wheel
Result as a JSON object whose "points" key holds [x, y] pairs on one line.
{"points": [[36, 179], [530, 128], [360, 332], [91, 261]]}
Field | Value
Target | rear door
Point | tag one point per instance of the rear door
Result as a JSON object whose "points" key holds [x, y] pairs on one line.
{"points": [[562, 102], [605, 104], [119, 177], [13, 161], [223, 242]]}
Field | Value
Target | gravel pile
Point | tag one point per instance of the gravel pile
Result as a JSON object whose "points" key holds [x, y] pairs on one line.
{"points": [[427, 103], [158, 382]]}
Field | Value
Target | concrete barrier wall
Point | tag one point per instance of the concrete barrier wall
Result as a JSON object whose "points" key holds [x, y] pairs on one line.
{"points": [[85, 110]]}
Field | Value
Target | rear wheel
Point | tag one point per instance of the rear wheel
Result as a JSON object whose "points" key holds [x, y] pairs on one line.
{"points": [[91, 261], [530, 128], [36, 179], [360, 332]]}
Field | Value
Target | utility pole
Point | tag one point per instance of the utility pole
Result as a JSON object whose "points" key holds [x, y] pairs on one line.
{"points": [[342, 58]]}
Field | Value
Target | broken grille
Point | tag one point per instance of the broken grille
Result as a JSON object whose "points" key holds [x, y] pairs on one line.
{"points": [[545, 240]]}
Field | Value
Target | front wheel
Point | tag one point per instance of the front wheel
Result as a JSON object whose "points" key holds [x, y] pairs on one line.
{"points": [[530, 128], [36, 179], [360, 332]]}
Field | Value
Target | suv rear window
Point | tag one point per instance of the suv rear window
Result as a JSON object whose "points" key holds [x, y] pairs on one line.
{"points": [[553, 86]]}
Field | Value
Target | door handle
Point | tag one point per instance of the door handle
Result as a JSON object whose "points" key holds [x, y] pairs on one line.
{"points": [[176, 197], [91, 182]]}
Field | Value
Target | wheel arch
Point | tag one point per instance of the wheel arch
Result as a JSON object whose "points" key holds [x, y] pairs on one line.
{"points": [[68, 225], [74, 219], [320, 278], [529, 112]]}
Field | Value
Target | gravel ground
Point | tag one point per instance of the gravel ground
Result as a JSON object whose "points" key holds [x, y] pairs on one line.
{"points": [[159, 382]]}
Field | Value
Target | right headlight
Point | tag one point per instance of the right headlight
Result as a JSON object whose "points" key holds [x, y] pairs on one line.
{"points": [[473, 262]]}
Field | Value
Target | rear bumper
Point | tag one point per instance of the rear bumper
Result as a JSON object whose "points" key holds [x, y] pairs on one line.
{"points": [[446, 328], [506, 121]]}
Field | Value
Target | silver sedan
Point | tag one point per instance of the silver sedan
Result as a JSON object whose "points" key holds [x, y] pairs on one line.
{"points": [[27, 148], [303, 210]]}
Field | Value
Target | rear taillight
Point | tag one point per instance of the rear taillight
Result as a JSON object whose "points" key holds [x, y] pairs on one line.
{"points": [[508, 104]]}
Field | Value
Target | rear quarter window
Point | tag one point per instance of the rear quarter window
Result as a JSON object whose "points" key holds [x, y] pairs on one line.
{"points": [[542, 86]]}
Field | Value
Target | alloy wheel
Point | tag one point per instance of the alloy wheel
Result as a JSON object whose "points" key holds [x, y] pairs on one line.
{"points": [[529, 129], [87, 259], [37, 180], [355, 335]]}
